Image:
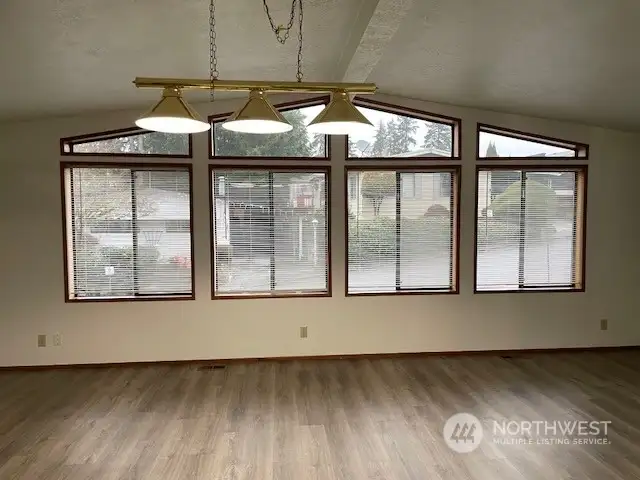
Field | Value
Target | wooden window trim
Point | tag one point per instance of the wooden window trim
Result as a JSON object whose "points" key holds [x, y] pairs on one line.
{"points": [[455, 123], [67, 248], [579, 263], [455, 224], [282, 107], [212, 239], [113, 134], [581, 150]]}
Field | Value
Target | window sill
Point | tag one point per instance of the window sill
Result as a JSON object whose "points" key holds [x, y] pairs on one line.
{"points": [[255, 295], [533, 290], [402, 292], [150, 298]]}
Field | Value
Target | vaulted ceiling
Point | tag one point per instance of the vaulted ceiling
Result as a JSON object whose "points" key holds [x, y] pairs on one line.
{"points": [[565, 59]]}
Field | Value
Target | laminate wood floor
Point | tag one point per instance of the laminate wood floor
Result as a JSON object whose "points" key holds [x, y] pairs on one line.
{"points": [[326, 419]]}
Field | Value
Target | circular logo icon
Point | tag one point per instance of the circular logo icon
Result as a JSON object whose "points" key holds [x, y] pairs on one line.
{"points": [[463, 432]]}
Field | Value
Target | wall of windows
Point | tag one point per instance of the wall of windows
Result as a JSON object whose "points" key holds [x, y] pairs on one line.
{"points": [[396, 266]]}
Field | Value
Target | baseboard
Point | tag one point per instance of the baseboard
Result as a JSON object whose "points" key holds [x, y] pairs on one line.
{"points": [[349, 356]]}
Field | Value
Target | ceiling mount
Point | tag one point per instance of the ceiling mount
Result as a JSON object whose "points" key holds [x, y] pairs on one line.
{"points": [[172, 114]]}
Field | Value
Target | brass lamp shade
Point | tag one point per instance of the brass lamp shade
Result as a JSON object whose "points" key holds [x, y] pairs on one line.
{"points": [[172, 115], [340, 117], [257, 116]]}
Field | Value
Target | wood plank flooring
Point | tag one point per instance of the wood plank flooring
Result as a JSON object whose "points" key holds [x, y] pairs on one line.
{"points": [[326, 419]]}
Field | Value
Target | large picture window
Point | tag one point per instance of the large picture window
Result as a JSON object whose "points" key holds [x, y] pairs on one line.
{"points": [[127, 231], [402, 230], [530, 229], [270, 232]]}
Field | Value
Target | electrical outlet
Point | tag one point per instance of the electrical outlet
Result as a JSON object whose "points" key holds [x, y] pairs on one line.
{"points": [[604, 324], [42, 340], [57, 339], [303, 332]]}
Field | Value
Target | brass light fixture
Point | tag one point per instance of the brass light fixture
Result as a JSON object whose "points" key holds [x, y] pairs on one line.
{"points": [[340, 117], [172, 114], [257, 116]]}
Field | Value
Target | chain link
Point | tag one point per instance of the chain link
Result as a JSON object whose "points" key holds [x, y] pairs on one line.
{"points": [[281, 28], [300, 20], [213, 49]]}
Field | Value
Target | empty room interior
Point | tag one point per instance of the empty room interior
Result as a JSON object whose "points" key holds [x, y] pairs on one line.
{"points": [[332, 240]]}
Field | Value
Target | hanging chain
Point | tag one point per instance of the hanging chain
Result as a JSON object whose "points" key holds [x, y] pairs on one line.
{"points": [[213, 49], [282, 38], [300, 19]]}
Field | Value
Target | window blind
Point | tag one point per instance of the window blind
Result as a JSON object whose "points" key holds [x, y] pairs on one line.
{"points": [[528, 229], [270, 231], [399, 241], [118, 241]]}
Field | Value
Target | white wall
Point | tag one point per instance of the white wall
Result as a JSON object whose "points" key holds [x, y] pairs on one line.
{"points": [[32, 293]]}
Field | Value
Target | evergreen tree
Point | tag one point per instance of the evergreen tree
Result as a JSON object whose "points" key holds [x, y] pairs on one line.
{"points": [[405, 129], [380, 143], [318, 145], [492, 151], [438, 137]]}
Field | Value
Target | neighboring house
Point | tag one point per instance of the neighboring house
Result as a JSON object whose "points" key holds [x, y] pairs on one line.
{"points": [[419, 191], [165, 226], [562, 183]]}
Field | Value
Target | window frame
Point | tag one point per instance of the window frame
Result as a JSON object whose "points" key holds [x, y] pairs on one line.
{"points": [[581, 150], [456, 171], [455, 123], [281, 107], [580, 201], [67, 247], [113, 134], [212, 232]]}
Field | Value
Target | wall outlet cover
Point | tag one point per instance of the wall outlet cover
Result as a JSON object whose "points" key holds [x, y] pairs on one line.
{"points": [[42, 340], [304, 332]]}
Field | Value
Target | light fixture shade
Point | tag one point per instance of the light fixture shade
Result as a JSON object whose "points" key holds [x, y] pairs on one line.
{"points": [[257, 116], [172, 115], [340, 117]]}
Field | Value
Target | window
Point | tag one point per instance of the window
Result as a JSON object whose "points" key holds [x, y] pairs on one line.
{"points": [[130, 142], [270, 232], [530, 229], [494, 142], [124, 238], [401, 133], [294, 144], [399, 243]]}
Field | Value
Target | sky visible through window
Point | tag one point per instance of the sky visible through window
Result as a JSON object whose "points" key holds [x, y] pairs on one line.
{"points": [[506, 146]]}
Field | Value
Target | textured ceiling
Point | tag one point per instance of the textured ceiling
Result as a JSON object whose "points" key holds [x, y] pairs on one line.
{"points": [[565, 59]]}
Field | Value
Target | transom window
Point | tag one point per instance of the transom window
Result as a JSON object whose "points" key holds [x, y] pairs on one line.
{"points": [[401, 133], [496, 142], [402, 230], [128, 231], [270, 231], [129, 142]]}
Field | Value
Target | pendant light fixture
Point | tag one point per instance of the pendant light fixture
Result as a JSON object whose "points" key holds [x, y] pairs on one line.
{"points": [[172, 115], [340, 117], [257, 116]]}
